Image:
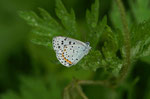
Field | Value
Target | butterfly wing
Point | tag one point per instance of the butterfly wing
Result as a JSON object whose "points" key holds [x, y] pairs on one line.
{"points": [[59, 42], [74, 53], [69, 51]]}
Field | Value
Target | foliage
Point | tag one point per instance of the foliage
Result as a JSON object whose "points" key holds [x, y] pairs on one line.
{"points": [[140, 9], [35, 87], [46, 27], [140, 43], [103, 63]]}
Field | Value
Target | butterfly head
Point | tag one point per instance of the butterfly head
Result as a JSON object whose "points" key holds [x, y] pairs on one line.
{"points": [[87, 43]]}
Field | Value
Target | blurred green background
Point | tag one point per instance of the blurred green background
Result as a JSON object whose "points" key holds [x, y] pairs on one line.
{"points": [[27, 73]]}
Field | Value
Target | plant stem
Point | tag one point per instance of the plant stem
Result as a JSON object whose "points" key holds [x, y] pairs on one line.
{"points": [[81, 92], [90, 82], [126, 34], [66, 92], [78, 84]]}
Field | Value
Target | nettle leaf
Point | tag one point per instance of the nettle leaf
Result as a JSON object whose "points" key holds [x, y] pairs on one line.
{"points": [[112, 44], [44, 29], [41, 40], [140, 40], [140, 9], [115, 16], [106, 57], [92, 61], [67, 19], [95, 28], [93, 15]]}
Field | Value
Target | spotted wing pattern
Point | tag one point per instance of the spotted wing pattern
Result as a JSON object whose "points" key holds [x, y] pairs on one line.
{"points": [[69, 51]]}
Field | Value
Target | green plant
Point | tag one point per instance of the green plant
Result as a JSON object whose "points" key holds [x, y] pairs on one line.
{"points": [[114, 50]]}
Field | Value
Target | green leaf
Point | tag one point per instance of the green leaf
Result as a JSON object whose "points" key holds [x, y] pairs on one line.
{"points": [[93, 15], [67, 19], [107, 57], [98, 31], [115, 16], [111, 45], [44, 29], [92, 61], [140, 40], [140, 9], [95, 28]]}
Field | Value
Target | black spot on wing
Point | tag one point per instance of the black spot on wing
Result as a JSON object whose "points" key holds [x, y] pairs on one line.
{"points": [[65, 39], [69, 42], [65, 46]]}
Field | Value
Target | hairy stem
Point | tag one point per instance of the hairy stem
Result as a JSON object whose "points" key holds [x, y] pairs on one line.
{"points": [[90, 82], [126, 34], [78, 84], [79, 89], [66, 92]]}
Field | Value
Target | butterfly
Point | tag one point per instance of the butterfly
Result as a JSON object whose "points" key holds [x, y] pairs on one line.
{"points": [[69, 51]]}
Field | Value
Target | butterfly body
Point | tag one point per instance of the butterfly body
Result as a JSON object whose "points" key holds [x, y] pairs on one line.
{"points": [[69, 51]]}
